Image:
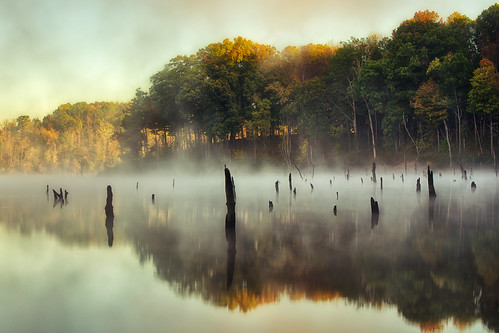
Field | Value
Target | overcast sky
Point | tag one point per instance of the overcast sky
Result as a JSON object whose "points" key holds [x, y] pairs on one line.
{"points": [[59, 51]]}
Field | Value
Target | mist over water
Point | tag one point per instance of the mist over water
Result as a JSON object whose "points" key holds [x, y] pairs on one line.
{"points": [[423, 263]]}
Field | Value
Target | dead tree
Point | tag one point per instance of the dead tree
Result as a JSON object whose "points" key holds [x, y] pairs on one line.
{"points": [[109, 202], [230, 218], [374, 213], [374, 206], [431, 187]]}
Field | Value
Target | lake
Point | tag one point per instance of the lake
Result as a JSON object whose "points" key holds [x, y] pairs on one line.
{"points": [[171, 265]]}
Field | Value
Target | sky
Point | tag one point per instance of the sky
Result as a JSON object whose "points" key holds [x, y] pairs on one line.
{"points": [[54, 52]]}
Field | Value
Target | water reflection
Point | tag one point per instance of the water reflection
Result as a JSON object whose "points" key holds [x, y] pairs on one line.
{"points": [[230, 235], [109, 228], [430, 267]]}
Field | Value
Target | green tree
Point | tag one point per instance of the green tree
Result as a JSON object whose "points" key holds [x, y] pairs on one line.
{"points": [[484, 96]]}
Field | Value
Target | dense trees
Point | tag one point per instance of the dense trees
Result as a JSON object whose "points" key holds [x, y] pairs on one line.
{"points": [[432, 84], [77, 137]]}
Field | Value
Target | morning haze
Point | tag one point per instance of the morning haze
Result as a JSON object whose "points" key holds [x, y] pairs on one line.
{"points": [[249, 185]]}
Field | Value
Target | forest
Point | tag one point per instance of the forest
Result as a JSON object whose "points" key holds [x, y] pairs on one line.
{"points": [[427, 93]]}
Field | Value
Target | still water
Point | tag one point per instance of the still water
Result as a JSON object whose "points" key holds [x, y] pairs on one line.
{"points": [[170, 265]]}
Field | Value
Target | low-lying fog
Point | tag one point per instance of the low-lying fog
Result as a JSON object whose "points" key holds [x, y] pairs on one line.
{"points": [[430, 259]]}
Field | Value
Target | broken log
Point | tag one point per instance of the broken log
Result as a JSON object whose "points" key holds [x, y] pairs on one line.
{"points": [[431, 187]]}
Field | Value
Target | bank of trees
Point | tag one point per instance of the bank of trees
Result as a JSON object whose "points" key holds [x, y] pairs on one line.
{"points": [[430, 90], [77, 137]]}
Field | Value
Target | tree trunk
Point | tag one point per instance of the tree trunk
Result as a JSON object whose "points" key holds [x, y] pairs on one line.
{"points": [[448, 142], [492, 152], [372, 129]]}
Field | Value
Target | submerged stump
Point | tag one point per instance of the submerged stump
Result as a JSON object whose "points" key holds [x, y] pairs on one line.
{"points": [[230, 219], [109, 202], [431, 187]]}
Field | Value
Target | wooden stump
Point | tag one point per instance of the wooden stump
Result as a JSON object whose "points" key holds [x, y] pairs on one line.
{"points": [[230, 219], [418, 185], [431, 187], [109, 202]]}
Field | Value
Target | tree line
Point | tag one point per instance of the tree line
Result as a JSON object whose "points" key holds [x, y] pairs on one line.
{"points": [[430, 90]]}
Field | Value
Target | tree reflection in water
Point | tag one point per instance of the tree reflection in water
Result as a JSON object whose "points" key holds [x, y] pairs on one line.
{"points": [[433, 260], [432, 267]]}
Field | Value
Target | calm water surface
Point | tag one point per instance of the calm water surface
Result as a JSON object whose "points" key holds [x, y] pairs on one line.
{"points": [[170, 265]]}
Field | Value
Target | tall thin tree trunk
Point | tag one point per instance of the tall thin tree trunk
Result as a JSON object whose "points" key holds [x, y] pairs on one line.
{"points": [[448, 142], [372, 128], [492, 152]]}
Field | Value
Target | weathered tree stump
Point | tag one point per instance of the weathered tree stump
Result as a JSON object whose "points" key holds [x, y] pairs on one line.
{"points": [[290, 183], [109, 202], [230, 218], [271, 206], [473, 187], [418, 185], [276, 184], [381, 182], [153, 198], [374, 206], [335, 210], [374, 172], [374, 213], [431, 187]]}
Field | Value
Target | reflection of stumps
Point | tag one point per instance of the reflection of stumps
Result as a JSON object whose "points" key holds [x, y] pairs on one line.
{"points": [[109, 228], [418, 185], [230, 235], [230, 219], [431, 187], [109, 202]]}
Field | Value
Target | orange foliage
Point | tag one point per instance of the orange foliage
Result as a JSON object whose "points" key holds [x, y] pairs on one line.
{"points": [[427, 16]]}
